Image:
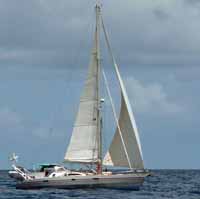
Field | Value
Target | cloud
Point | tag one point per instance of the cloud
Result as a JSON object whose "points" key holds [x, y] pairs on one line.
{"points": [[159, 32], [160, 14], [192, 2], [151, 98], [48, 34], [42, 33]]}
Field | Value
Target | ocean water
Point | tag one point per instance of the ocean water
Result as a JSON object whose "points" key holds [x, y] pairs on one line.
{"points": [[184, 184]]}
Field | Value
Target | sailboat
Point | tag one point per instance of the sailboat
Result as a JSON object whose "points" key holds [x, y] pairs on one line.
{"points": [[85, 146]]}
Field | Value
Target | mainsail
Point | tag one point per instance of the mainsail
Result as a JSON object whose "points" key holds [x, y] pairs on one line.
{"points": [[84, 145], [125, 149]]}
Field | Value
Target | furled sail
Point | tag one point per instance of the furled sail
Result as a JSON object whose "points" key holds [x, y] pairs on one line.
{"points": [[83, 147], [125, 149]]}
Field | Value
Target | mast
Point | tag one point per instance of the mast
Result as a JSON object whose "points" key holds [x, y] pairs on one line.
{"points": [[99, 134]]}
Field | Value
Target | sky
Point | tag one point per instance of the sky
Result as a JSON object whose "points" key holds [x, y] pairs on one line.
{"points": [[45, 47]]}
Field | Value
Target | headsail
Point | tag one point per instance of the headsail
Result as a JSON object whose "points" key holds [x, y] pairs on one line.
{"points": [[84, 143], [116, 155], [125, 149]]}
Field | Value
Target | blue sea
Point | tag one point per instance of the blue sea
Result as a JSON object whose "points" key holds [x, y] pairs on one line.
{"points": [[184, 184]]}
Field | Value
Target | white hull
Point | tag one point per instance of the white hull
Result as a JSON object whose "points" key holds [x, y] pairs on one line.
{"points": [[121, 181]]}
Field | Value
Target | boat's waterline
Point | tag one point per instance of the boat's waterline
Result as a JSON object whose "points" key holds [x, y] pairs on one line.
{"points": [[119, 181]]}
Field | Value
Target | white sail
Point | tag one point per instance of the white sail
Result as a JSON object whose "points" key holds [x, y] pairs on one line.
{"points": [[116, 155], [125, 149], [83, 145]]}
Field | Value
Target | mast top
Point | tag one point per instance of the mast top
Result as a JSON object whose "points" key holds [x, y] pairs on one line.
{"points": [[98, 6]]}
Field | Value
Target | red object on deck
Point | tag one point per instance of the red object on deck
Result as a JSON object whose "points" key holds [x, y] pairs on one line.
{"points": [[98, 168]]}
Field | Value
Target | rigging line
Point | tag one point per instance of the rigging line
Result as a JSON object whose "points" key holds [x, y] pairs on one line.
{"points": [[103, 124], [115, 116]]}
